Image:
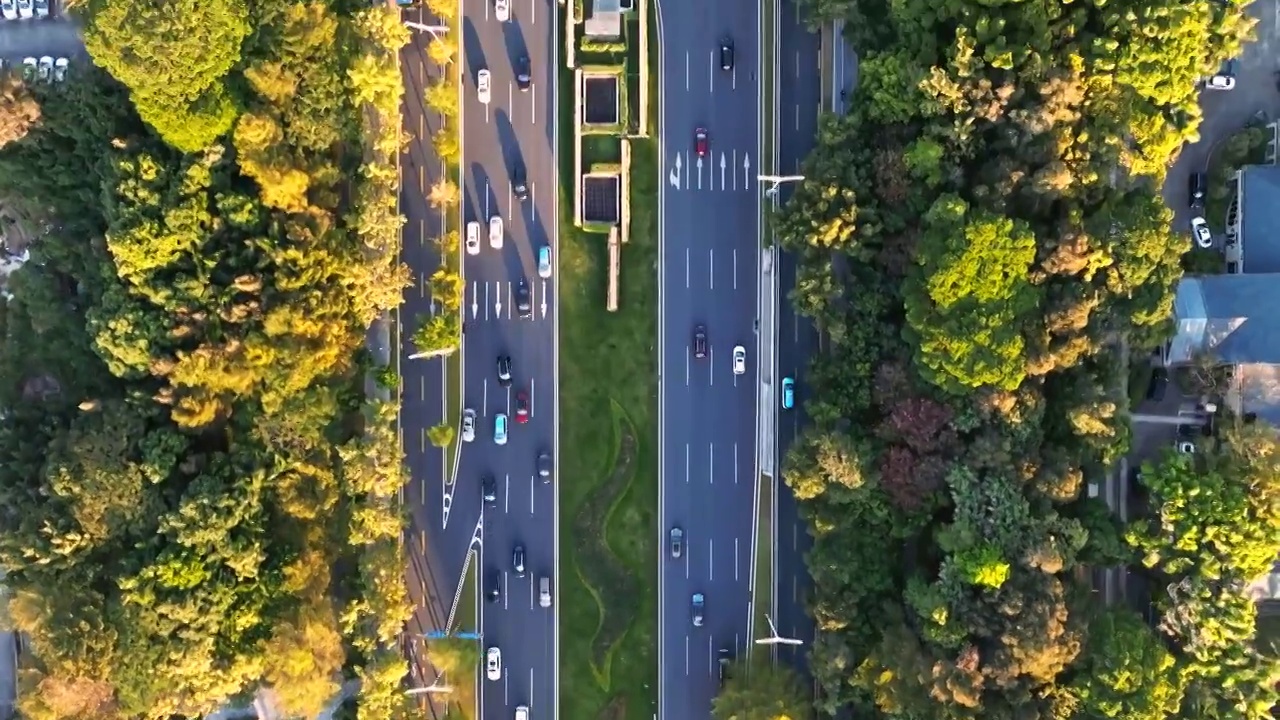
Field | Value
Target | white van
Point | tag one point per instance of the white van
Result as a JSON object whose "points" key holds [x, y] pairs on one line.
{"points": [[522, 712], [544, 592]]}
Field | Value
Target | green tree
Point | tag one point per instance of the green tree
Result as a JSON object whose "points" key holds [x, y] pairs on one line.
{"points": [[761, 692], [1127, 673]]}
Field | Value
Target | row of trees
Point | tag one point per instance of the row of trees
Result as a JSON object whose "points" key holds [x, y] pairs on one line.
{"points": [[973, 238], [197, 500], [441, 333]]}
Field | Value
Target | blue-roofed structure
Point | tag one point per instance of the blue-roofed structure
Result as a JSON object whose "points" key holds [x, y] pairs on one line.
{"points": [[1259, 219]]}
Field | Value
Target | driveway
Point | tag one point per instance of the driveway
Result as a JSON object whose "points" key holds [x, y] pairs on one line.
{"points": [[32, 38], [1226, 112]]}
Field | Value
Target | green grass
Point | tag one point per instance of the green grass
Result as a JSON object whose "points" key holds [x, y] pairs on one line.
{"points": [[607, 362], [1139, 377], [462, 705], [762, 592]]}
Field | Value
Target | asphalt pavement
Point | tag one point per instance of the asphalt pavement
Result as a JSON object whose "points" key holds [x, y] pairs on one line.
{"points": [[34, 37], [799, 102], [514, 127], [709, 275]]}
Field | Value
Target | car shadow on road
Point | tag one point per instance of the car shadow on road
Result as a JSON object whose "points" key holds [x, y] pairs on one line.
{"points": [[479, 202], [513, 154], [472, 50]]}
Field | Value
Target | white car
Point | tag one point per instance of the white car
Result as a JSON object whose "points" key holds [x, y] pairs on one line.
{"points": [[1200, 230], [495, 232], [9, 8], [1220, 82], [502, 10], [45, 72], [739, 360], [1186, 446], [500, 429], [544, 261], [493, 664], [29, 69], [60, 69], [483, 81], [468, 425], [26, 9], [42, 8], [473, 238]]}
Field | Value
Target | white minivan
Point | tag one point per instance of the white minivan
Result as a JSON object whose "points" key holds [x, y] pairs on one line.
{"points": [[522, 712], [544, 592]]}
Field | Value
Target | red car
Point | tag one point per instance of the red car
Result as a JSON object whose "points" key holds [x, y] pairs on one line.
{"points": [[700, 142], [522, 407]]}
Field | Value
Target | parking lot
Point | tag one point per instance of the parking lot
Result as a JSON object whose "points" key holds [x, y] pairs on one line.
{"points": [[54, 36], [1254, 96]]}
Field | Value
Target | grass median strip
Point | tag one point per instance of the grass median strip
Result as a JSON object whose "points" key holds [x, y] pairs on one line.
{"points": [[762, 591]]}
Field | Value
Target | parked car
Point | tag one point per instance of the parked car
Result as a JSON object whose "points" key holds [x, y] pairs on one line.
{"points": [[788, 393], [1225, 78], [26, 9], [502, 10], [495, 232], [483, 81], [1158, 384], [45, 69], [29, 69], [739, 360], [1197, 186], [726, 53], [524, 77], [700, 341], [9, 9], [473, 238], [1186, 446], [677, 542], [468, 425], [500, 429], [42, 8], [493, 664], [1200, 230], [699, 606], [544, 261]]}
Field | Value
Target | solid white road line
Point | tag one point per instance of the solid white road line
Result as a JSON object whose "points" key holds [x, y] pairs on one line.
{"points": [[711, 264], [711, 657], [735, 250], [711, 463], [530, 591], [686, 72], [508, 404], [533, 20], [484, 401], [487, 214], [711, 560], [506, 589], [532, 395], [530, 494], [509, 303], [686, 463], [686, 366], [531, 686], [711, 366], [533, 104], [735, 559], [797, 118], [735, 463], [687, 265], [506, 494], [686, 563], [506, 696], [686, 655], [711, 72]]}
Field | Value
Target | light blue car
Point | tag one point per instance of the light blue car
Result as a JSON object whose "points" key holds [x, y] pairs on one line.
{"points": [[788, 393], [544, 261], [500, 429]]}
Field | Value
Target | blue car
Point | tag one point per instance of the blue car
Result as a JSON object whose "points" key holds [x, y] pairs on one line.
{"points": [[500, 429], [788, 393], [544, 261]]}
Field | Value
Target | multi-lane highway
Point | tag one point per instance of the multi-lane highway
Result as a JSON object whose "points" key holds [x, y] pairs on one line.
{"points": [[514, 128], [799, 103], [709, 276]]}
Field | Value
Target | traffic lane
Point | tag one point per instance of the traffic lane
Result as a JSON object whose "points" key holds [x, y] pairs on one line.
{"points": [[1227, 111]]}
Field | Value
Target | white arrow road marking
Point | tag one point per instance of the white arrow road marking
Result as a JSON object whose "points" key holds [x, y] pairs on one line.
{"points": [[723, 163], [475, 300], [674, 177], [699, 172], [497, 300], [544, 300]]}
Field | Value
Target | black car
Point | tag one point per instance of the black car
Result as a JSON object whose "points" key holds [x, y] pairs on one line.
{"points": [[1159, 383], [723, 662], [493, 587], [700, 341], [677, 542], [524, 79], [519, 185], [544, 466], [517, 560], [504, 370], [523, 305], [726, 53], [1197, 185], [489, 489]]}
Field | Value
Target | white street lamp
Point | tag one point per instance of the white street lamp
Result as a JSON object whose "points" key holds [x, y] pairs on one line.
{"points": [[775, 181], [776, 639], [434, 31]]}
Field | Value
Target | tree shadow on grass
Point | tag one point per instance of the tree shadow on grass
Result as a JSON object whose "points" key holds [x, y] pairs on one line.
{"points": [[614, 587]]}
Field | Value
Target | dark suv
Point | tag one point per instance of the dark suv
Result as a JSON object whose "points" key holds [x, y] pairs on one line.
{"points": [[504, 370], [519, 184], [1197, 185], [524, 79], [726, 53], [700, 341], [523, 305]]}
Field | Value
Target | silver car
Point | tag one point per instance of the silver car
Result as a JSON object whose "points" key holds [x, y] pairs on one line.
{"points": [[468, 425], [26, 9], [9, 8]]}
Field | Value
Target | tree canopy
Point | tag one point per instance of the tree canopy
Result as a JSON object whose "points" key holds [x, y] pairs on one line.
{"points": [[974, 237], [199, 501]]}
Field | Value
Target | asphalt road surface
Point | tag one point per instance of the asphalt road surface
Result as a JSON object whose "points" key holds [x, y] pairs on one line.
{"points": [[514, 126], [435, 552], [799, 102], [709, 275]]}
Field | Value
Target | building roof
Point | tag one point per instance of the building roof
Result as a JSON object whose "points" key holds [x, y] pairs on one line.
{"points": [[1260, 219], [1233, 318]]}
